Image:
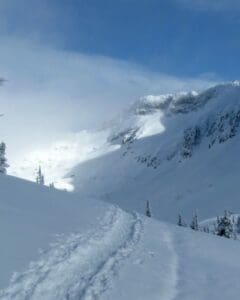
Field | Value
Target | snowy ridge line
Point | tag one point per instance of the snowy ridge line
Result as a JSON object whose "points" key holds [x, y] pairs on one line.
{"points": [[79, 266]]}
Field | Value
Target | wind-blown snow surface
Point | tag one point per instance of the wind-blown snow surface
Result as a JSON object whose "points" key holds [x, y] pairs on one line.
{"points": [[180, 152], [94, 250]]}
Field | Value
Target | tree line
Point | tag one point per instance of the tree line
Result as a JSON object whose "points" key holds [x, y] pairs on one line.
{"points": [[226, 226]]}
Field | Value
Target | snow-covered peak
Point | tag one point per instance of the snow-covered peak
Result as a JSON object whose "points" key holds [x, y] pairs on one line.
{"points": [[179, 122], [168, 102], [151, 111], [186, 102], [181, 154]]}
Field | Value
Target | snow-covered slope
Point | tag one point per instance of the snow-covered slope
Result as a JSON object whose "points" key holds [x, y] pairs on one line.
{"points": [[94, 250], [180, 152], [59, 157]]}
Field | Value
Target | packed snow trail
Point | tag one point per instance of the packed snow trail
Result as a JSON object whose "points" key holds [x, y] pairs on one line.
{"points": [[152, 270], [79, 266]]}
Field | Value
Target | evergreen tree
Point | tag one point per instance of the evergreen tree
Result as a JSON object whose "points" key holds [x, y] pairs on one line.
{"points": [[148, 210], [225, 226], [238, 224], [40, 177], [51, 185], [194, 223], [3, 160], [181, 221], [206, 229]]}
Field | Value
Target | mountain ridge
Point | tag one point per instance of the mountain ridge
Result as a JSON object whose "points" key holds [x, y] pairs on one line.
{"points": [[179, 141]]}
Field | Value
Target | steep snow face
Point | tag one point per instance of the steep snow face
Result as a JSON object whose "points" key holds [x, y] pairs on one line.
{"points": [[180, 152], [55, 245]]}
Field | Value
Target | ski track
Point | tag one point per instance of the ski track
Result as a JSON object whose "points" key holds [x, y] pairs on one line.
{"points": [[171, 284], [79, 266]]}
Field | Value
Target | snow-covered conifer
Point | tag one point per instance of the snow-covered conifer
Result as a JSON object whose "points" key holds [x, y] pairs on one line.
{"points": [[40, 177], [3, 160], [194, 223], [238, 224], [51, 185], [206, 229], [148, 210], [225, 226], [180, 223]]}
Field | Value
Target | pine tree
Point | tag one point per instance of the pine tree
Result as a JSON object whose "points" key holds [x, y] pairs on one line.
{"points": [[3, 160], [225, 226], [181, 221], [206, 229], [51, 185], [40, 177], [194, 223], [238, 224], [148, 210]]}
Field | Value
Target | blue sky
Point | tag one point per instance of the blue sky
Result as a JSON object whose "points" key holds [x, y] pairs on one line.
{"points": [[178, 37], [73, 64]]}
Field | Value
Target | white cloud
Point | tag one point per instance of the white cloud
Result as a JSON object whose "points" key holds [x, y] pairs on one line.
{"points": [[49, 91]]}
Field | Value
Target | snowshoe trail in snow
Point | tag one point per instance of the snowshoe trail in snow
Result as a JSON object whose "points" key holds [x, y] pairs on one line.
{"points": [[80, 266]]}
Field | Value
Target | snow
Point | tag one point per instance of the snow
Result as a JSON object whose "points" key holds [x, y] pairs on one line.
{"points": [[151, 130], [149, 126], [153, 167], [30, 218], [55, 245], [140, 156], [80, 265], [58, 158], [59, 245]]}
